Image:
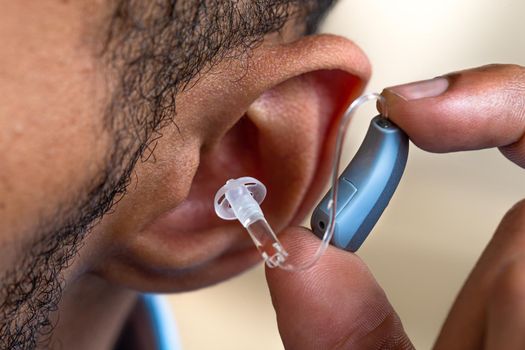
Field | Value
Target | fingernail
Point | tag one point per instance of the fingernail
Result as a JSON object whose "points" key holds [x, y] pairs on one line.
{"points": [[421, 89]]}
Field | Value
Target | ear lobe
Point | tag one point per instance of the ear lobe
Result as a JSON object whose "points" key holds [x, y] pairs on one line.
{"points": [[296, 122]]}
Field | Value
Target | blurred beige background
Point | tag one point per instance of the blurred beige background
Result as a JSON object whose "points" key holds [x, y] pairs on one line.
{"points": [[447, 206]]}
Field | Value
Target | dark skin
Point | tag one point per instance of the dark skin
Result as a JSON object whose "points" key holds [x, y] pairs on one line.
{"points": [[93, 105]]}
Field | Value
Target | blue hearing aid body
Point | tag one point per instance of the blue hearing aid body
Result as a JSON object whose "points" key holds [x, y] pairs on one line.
{"points": [[366, 186]]}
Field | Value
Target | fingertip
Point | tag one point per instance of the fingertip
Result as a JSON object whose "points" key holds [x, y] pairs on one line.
{"points": [[417, 119], [466, 110], [337, 302]]}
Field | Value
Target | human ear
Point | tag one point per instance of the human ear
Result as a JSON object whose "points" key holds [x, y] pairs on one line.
{"points": [[275, 121]]}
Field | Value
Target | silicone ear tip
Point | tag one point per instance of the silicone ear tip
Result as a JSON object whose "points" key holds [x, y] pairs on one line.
{"points": [[221, 205], [254, 186], [223, 208]]}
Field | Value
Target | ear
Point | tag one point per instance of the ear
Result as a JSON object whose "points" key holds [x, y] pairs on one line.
{"points": [[277, 124]]}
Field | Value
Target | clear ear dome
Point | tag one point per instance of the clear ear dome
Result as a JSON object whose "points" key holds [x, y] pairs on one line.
{"points": [[236, 189], [239, 199]]}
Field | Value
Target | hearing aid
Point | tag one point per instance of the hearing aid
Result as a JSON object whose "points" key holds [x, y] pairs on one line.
{"points": [[350, 209], [365, 187]]}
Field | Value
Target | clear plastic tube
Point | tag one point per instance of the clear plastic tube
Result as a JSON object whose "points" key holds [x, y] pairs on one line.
{"points": [[332, 204], [267, 243]]}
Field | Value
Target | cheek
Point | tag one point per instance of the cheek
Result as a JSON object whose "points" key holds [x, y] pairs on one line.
{"points": [[52, 143]]}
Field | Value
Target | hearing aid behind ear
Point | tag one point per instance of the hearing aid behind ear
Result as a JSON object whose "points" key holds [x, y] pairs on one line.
{"points": [[366, 186]]}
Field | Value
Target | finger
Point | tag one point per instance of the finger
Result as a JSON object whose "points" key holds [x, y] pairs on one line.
{"points": [[336, 304], [471, 109], [506, 309], [467, 323]]}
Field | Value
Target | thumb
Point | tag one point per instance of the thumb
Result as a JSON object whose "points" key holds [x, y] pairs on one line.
{"points": [[336, 304], [472, 109]]}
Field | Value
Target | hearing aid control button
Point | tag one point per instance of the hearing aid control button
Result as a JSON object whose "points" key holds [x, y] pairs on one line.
{"points": [[384, 123], [347, 191]]}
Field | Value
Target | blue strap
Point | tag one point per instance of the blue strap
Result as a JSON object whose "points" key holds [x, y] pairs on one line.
{"points": [[162, 321]]}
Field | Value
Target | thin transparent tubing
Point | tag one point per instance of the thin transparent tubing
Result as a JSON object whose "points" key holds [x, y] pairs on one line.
{"points": [[332, 204]]}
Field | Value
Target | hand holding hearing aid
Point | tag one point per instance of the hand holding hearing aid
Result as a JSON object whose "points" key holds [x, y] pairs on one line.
{"points": [[337, 304]]}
